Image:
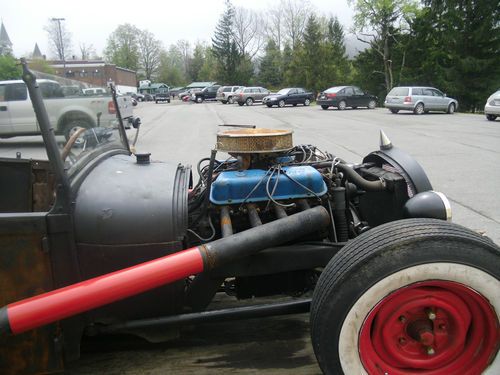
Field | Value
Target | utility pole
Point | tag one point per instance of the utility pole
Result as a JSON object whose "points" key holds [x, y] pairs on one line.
{"points": [[58, 20]]}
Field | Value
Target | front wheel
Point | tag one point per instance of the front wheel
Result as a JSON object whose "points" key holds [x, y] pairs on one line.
{"points": [[199, 99], [241, 104], [342, 105], [412, 296], [325, 107], [451, 109], [491, 117], [307, 102], [281, 103]]}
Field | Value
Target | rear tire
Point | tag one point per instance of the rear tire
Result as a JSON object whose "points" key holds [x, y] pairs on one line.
{"points": [[361, 318], [199, 99], [372, 104], [394, 110], [307, 102], [223, 102], [230, 100], [491, 117], [249, 101], [419, 109]]}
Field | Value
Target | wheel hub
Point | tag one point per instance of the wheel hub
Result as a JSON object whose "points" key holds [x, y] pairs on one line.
{"points": [[433, 327]]}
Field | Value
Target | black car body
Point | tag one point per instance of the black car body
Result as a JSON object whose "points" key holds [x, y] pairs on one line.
{"points": [[291, 95], [346, 96], [208, 93], [163, 95]]}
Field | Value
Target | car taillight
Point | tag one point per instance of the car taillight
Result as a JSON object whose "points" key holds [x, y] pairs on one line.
{"points": [[407, 99], [331, 95], [241, 95], [111, 107]]}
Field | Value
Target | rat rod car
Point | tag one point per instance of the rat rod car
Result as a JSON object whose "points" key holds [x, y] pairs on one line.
{"points": [[94, 241]]}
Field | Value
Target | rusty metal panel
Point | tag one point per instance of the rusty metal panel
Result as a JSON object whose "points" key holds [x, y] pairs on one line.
{"points": [[241, 141], [25, 271]]}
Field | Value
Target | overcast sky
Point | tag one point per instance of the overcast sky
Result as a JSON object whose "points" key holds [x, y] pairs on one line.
{"points": [[92, 21]]}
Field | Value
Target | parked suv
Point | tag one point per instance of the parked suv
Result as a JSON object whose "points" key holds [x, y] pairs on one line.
{"points": [[250, 95], [208, 93], [225, 94], [419, 100]]}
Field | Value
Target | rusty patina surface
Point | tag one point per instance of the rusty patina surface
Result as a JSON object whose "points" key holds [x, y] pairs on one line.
{"points": [[26, 271]]}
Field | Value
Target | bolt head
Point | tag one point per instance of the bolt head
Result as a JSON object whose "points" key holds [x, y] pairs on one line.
{"points": [[431, 351], [402, 319]]}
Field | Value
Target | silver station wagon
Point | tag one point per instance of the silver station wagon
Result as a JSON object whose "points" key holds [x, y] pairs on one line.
{"points": [[419, 100]]}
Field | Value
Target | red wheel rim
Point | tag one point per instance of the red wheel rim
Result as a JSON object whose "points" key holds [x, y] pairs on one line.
{"points": [[433, 327]]}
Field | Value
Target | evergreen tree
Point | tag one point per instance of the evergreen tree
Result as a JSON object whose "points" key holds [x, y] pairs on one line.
{"points": [[456, 46], [270, 74], [224, 47], [337, 51]]}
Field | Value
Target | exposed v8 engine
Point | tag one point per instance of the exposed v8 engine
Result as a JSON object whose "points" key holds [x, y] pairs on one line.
{"points": [[265, 177]]}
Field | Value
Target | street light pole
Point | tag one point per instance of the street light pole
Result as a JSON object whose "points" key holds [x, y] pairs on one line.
{"points": [[61, 44]]}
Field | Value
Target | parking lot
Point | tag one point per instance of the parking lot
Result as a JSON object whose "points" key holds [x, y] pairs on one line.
{"points": [[459, 153]]}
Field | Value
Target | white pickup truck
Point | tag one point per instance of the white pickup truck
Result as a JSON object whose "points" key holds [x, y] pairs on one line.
{"points": [[66, 114]]}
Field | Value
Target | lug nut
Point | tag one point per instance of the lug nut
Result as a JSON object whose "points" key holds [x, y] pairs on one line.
{"points": [[402, 319], [431, 351], [430, 314], [442, 327], [402, 340]]}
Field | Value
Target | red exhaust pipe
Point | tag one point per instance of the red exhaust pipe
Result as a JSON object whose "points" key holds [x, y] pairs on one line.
{"points": [[61, 303]]}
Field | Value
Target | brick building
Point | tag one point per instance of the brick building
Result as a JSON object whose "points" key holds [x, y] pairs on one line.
{"points": [[97, 73]]}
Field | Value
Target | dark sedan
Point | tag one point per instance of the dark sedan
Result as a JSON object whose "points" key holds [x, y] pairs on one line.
{"points": [[293, 95], [346, 96]]}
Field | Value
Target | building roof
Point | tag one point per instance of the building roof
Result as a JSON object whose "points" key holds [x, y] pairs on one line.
{"points": [[4, 37], [200, 84], [36, 52]]}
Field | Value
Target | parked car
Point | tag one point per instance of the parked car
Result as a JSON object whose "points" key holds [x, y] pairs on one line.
{"points": [[148, 97], [162, 95], [208, 93], [419, 100], [225, 94], [346, 96], [492, 106], [293, 95], [188, 93], [250, 95]]}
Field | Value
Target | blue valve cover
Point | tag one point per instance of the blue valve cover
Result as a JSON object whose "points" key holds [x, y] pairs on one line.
{"points": [[233, 187]]}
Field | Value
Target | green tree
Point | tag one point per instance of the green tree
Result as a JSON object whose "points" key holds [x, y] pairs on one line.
{"points": [[224, 47], [9, 69], [463, 63], [208, 71], [340, 68], [197, 62], [122, 48], [378, 22], [149, 53], [271, 73]]}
